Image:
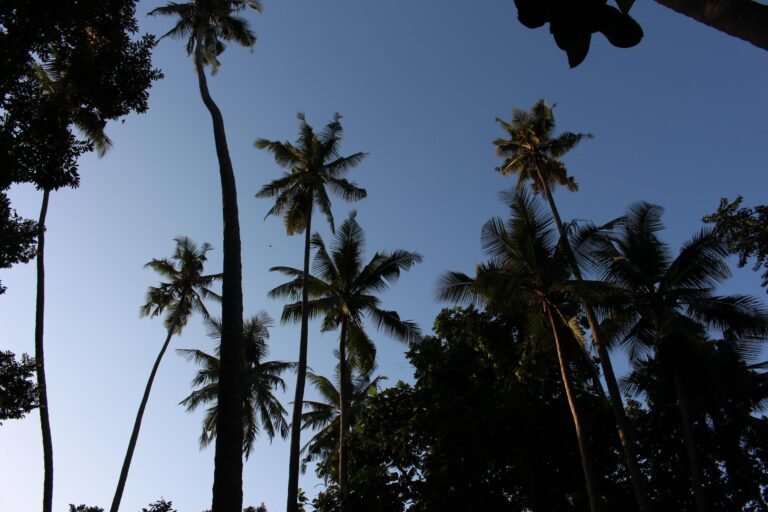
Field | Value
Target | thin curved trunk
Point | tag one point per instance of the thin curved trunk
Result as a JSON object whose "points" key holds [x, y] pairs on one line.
{"points": [[139, 416], [228, 460], [617, 404], [584, 449], [301, 377], [45, 420], [690, 445], [343, 414]]}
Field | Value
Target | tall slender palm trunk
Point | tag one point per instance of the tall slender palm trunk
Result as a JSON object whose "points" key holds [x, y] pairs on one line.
{"points": [[617, 404], [343, 415], [228, 460], [45, 420], [301, 376], [690, 445], [584, 448], [139, 417]]}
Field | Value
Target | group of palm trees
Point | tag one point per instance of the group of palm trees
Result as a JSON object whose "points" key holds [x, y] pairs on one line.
{"points": [[341, 290], [648, 299], [620, 278]]}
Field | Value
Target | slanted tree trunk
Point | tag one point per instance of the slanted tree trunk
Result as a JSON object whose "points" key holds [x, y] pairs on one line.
{"points": [[584, 448], [228, 460], [139, 416], [301, 376], [343, 415], [744, 19], [45, 420], [617, 404], [690, 445]]}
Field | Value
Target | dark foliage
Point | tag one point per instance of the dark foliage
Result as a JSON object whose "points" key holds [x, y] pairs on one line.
{"points": [[732, 441], [17, 237], [485, 427], [745, 230], [572, 23], [18, 392], [160, 506], [84, 508], [63, 65]]}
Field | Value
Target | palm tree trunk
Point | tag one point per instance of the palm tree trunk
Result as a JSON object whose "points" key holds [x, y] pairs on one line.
{"points": [[301, 376], [228, 460], [617, 404], [139, 416], [343, 415], [690, 445], [45, 420], [584, 449], [745, 19]]}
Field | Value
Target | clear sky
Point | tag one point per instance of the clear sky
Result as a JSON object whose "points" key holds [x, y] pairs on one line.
{"points": [[679, 120]]}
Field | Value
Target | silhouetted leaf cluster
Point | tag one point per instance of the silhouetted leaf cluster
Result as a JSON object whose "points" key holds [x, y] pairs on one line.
{"points": [[18, 391]]}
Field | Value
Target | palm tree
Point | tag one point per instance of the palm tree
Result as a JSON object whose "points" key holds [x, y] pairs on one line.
{"points": [[670, 299], [325, 416], [314, 163], [530, 271], [60, 107], [181, 295], [342, 291], [206, 25], [260, 406], [532, 151]]}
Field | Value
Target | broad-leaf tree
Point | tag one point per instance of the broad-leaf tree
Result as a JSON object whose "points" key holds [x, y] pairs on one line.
{"points": [[314, 165], [745, 230], [261, 409], [205, 26], [18, 392], [183, 293]]}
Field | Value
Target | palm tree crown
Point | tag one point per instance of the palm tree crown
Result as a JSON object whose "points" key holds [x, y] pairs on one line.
{"points": [[343, 286], [206, 24], [667, 292], [532, 151], [314, 163], [324, 416], [261, 409], [186, 285]]}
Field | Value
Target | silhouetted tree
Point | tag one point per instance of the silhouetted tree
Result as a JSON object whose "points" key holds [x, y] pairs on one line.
{"points": [[314, 164], [18, 392], [183, 294], [261, 379], [160, 506], [17, 237], [342, 292], [84, 508], [532, 152], [529, 270], [64, 66], [745, 230], [206, 25], [672, 297]]}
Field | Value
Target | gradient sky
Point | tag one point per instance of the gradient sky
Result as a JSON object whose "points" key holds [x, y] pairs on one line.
{"points": [[679, 121]]}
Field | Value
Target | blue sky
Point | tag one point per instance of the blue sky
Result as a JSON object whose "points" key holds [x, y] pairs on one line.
{"points": [[679, 120]]}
